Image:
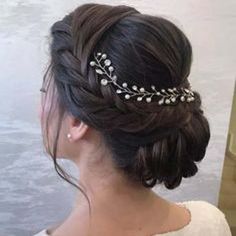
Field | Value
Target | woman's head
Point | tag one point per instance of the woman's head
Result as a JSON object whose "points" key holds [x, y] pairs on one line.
{"points": [[144, 50]]}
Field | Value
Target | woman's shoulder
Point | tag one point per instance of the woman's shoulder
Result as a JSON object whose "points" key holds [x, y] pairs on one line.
{"points": [[206, 218]]}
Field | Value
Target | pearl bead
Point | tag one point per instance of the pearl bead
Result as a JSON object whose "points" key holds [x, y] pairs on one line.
{"points": [[139, 98], [104, 82], [99, 71], [141, 89], [107, 62], [148, 99], [110, 68], [114, 77], [124, 85], [127, 96], [167, 101], [182, 98], [104, 56], [92, 63]]}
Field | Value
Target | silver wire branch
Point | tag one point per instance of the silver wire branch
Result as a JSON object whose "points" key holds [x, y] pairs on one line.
{"points": [[168, 95]]}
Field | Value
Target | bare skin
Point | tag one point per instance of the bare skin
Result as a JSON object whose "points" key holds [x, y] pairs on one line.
{"points": [[159, 216], [119, 207]]}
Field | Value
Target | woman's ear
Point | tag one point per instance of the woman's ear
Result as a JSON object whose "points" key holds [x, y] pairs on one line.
{"points": [[76, 129]]}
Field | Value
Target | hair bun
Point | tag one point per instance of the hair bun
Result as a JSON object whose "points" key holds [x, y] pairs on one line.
{"points": [[174, 157]]}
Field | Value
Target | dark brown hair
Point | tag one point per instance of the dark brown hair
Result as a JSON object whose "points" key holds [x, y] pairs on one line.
{"points": [[149, 143]]}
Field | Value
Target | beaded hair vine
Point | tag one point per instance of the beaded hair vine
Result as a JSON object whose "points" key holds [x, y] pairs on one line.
{"points": [[168, 95]]}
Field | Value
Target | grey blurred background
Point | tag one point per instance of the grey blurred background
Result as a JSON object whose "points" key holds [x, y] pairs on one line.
{"points": [[32, 196]]}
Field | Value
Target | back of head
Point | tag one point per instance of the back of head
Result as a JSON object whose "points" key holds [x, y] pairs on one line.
{"points": [[149, 143]]}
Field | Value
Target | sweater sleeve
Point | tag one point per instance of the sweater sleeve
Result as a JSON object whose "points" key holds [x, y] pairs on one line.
{"points": [[224, 228], [41, 233], [219, 220]]}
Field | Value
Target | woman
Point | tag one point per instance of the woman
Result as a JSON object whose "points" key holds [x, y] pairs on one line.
{"points": [[117, 102]]}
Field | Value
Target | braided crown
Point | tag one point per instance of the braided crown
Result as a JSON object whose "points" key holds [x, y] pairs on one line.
{"points": [[103, 66]]}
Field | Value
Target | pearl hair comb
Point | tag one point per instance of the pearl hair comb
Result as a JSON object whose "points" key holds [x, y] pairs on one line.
{"points": [[168, 95]]}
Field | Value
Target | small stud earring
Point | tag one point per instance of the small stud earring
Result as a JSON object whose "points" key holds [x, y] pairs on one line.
{"points": [[68, 135]]}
